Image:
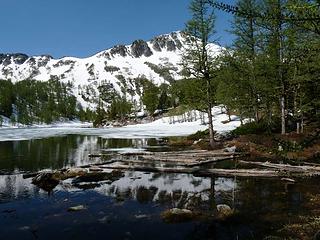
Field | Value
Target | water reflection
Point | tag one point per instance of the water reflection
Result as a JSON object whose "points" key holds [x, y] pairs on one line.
{"points": [[14, 187], [174, 190], [62, 151], [259, 204]]}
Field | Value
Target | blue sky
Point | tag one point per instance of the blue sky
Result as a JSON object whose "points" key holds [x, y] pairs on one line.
{"points": [[82, 28]]}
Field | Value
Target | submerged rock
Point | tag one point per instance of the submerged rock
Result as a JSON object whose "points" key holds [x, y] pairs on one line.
{"points": [[140, 216], [224, 211], [176, 215], [76, 208], [105, 219]]}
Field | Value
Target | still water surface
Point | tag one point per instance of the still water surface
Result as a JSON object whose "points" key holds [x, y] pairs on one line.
{"points": [[130, 207]]}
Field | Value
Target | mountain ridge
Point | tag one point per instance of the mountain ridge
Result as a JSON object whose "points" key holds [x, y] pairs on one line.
{"points": [[157, 60]]}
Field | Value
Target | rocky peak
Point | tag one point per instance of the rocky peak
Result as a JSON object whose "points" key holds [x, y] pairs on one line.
{"points": [[18, 58], [170, 42], [119, 49], [140, 48]]}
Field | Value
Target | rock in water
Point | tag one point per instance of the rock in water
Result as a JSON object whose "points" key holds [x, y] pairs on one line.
{"points": [[176, 215], [76, 208], [46, 181], [224, 211], [74, 172]]}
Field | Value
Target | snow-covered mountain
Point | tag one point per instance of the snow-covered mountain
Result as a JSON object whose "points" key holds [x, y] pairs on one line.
{"points": [[118, 67]]}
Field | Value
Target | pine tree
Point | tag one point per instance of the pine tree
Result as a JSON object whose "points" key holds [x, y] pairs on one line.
{"points": [[246, 45], [6, 97], [150, 96], [196, 58]]}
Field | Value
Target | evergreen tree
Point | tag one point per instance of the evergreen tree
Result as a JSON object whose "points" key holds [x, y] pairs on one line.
{"points": [[150, 96], [6, 97], [196, 58]]}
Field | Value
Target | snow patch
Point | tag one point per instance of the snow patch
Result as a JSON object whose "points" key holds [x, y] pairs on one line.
{"points": [[163, 127]]}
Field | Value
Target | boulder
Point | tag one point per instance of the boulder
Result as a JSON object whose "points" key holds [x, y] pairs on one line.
{"points": [[224, 211], [176, 215], [74, 172], [46, 181], [230, 149]]}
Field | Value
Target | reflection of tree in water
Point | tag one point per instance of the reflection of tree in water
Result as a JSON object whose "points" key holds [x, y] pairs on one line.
{"points": [[15, 187], [146, 195], [171, 190], [54, 153], [260, 205], [59, 152]]}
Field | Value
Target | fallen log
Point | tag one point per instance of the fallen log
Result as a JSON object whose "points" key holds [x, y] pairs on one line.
{"points": [[284, 167], [176, 162], [213, 160], [99, 164], [210, 172], [189, 159]]}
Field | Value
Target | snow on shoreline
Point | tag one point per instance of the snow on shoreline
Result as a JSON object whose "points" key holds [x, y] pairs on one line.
{"points": [[160, 128], [69, 123]]}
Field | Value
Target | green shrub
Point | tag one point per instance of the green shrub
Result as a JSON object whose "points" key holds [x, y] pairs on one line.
{"points": [[199, 135], [257, 128]]}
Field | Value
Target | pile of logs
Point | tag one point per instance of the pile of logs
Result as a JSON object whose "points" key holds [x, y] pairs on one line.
{"points": [[200, 162], [197, 162]]}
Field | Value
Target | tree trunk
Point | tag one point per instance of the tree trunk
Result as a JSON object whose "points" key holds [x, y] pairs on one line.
{"points": [[280, 70], [209, 106], [241, 119], [211, 132], [229, 115], [269, 113], [283, 116]]}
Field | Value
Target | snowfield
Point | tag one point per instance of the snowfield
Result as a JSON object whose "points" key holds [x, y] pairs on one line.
{"points": [[160, 128]]}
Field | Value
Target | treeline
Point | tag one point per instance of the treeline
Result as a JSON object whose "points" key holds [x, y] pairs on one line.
{"points": [[113, 105], [31, 101], [270, 73]]}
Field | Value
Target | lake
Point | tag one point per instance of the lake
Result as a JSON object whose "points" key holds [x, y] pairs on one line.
{"points": [[131, 207]]}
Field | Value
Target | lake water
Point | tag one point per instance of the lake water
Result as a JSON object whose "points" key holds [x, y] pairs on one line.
{"points": [[131, 207]]}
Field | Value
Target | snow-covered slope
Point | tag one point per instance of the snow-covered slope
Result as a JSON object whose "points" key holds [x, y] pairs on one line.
{"points": [[118, 67]]}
